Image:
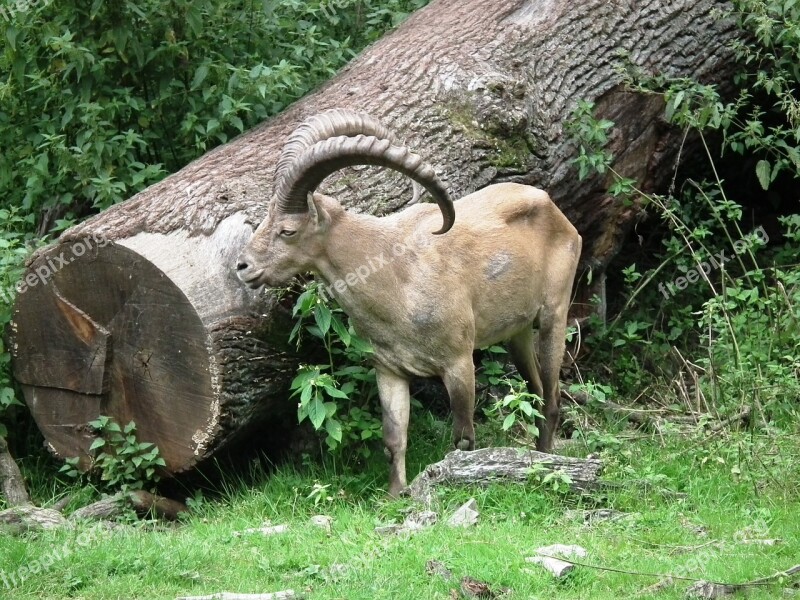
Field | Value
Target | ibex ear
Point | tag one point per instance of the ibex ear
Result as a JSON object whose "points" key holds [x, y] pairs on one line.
{"points": [[317, 215]]}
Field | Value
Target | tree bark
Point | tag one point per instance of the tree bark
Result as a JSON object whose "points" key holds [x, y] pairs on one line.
{"points": [[491, 465], [154, 327], [12, 484]]}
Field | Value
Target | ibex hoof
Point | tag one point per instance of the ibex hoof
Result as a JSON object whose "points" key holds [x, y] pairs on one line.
{"points": [[465, 444]]}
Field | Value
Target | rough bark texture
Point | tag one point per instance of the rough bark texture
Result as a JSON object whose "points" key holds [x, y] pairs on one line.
{"points": [[12, 484], [489, 465], [141, 501], [155, 327], [24, 519]]}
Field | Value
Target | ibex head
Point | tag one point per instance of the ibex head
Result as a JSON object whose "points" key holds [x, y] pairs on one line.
{"points": [[292, 239]]}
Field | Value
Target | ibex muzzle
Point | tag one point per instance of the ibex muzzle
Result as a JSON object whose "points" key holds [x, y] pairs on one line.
{"points": [[503, 261]]}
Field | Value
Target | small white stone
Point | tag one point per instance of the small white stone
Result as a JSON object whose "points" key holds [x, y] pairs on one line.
{"points": [[322, 521], [466, 515]]}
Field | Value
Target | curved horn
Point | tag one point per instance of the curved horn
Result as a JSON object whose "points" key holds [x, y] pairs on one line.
{"points": [[330, 123], [328, 156]]}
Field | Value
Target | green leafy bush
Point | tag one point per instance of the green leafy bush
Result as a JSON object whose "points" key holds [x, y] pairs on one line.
{"points": [[13, 250], [347, 377], [100, 99], [517, 407], [717, 305], [120, 461]]}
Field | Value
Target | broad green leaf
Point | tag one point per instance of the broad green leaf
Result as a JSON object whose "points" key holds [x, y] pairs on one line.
{"points": [[317, 412], [8, 398], [314, 330], [763, 171], [526, 407], [340, 330], [334, 429], [95, 9], [508, 422], [322, 316], [305, 395], [304, 302], [11, 36], [200, 76], [334, 393]]}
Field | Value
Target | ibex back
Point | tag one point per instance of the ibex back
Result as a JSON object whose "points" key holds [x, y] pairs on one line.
{"points": [[503, 262]]}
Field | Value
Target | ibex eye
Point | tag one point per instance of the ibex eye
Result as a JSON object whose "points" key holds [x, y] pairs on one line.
{"points": [[288, 232]]}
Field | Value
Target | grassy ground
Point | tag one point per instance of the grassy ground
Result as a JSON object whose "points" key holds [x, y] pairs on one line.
{"points": [[693, 503]]}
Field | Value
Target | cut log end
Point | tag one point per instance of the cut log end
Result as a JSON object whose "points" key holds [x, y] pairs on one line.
{"points": [[110, 334]]}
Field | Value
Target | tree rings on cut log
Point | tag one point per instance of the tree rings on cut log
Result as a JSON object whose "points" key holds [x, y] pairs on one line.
{"points": [[139, 330], [110, 334]]}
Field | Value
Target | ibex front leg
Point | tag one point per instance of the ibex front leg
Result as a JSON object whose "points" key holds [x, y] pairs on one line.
{"points": [[396, 405]]}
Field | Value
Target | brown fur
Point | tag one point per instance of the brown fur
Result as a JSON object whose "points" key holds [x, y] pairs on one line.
{"points": [[426, 301]]}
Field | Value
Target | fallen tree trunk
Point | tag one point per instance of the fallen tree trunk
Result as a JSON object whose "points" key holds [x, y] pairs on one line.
{"points": [[493, 465], [137, 314], [26, 518]]}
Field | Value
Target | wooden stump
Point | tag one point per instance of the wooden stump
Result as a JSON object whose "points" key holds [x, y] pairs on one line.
{"points": [[134, 329]]}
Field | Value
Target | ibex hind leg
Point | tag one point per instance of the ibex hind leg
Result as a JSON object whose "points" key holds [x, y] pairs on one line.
{"points": [[459, 380], [523, 354], [552, 342], [395, 406]]}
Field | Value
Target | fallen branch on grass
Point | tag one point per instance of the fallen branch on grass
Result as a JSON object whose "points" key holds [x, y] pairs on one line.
{"points": [[22, 519], [22, 516], [490, 465], [742, 418], [714, 589], [711, 591], [139, 500], [12, 485], [639, 416], [18, 520], [285, 595], [265, 530]]}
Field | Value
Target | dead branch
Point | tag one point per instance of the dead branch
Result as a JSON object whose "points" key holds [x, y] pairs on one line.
{"points": [[12, 484], [22, 519], [491, 465], [701, 587], [141, 501], [742, 417], [285, 595]]}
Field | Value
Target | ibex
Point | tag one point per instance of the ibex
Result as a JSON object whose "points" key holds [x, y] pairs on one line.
{"points": [[503, 261]]}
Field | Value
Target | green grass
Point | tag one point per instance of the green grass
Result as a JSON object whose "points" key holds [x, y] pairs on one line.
{"points": [[732, 487]]}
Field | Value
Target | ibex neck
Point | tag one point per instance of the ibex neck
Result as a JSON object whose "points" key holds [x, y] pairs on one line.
{"points": [[360, 265]]}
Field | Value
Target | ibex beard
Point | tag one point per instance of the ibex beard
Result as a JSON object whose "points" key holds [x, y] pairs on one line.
{"points": [[503, 262]]}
